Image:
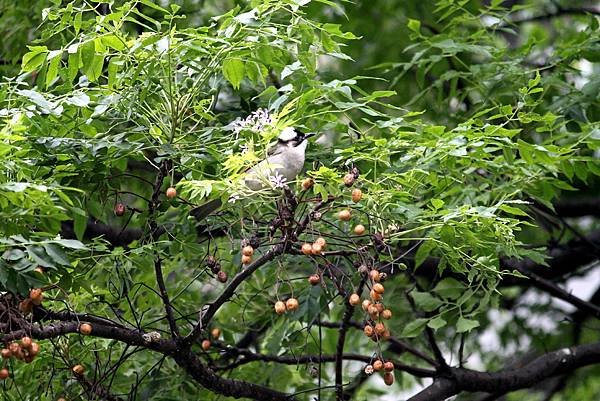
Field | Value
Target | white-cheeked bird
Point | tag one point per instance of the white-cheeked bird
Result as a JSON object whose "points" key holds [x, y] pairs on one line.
{"points": [[285, 159]]}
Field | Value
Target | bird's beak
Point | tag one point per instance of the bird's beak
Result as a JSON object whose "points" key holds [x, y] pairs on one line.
{"points": [[306, 136]]}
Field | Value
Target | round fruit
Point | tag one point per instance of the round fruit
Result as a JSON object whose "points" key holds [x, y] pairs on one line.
{"points": [[365, 305], [119, 209], [386, 334], [216, 333], [211, 261], [307, 183], [386, 314], [388, 378], [379, 307], [307, 249], [359, 229], [36, 295], [4, 374], [26, 342], [368, 330], [61, 399], [205, 345], [356, 195], [171, 192], [19, 354], [246, 260], [321, 241], [247, 250], [344, 215], [279, 307], [373, 310], [314, 279], [354, 299], [375, 296], [349, 179], [6, 353], [78, 370], [379, 329], [14, 348], [316, 249], [374, 275], [292, 304], [26, 306], [377, 365], [39, 269], [34, 349], [388, 366], [377, 287], [222, 276], [85, 329]]}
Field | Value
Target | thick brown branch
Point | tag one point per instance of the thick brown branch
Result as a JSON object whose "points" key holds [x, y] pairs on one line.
{"points": [[549, 365], [128, 336], [231, 388]]}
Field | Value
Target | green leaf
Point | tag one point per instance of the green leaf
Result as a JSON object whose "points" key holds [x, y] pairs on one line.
{"points": [[114, 42], [425, 301], [414, 328], [93, 69], [449, 288], [466, 325], [513, 210], [39, 256], [71, 243], [57, 255], [414, 25], [437, 323], [33, 59], [437, 203], [52, 72], [151, 4], [423, 252], [233, 71]]}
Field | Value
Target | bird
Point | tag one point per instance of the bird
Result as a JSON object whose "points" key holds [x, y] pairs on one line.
{"points": [[284, 161]]}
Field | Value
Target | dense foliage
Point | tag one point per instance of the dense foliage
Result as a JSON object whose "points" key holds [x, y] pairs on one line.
{"points": [[455, 166]]}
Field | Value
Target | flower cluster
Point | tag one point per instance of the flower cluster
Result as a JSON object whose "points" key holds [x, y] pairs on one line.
{"points": [[277, 180], [256, 121]]}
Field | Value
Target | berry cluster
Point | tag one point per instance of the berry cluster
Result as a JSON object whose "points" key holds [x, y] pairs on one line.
{"points": [[25, 350], [215, 334], [290, 305], [213, 264], [36, 296]]}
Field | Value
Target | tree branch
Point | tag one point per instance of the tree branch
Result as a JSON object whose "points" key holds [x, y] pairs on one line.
{"points": [[250, 356], [549, 365], [228, 387], [556, 291]]}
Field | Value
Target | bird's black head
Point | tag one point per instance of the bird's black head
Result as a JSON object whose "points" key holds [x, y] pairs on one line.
{"points": [[292, 137]]}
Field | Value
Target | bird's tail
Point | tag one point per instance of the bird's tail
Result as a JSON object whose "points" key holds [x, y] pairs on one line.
{"points": [[202, 211]]}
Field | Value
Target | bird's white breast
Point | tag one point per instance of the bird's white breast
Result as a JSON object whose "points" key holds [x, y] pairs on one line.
{"points": [[288, 162]]}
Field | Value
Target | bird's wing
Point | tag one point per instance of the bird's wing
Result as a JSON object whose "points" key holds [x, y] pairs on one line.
{"points": [[274, 150], [204, 210]]}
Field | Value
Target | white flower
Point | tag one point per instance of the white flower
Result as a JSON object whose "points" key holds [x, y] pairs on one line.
{"points": [[277, 180], [369, 370], [256, 121], [233, 198]]}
